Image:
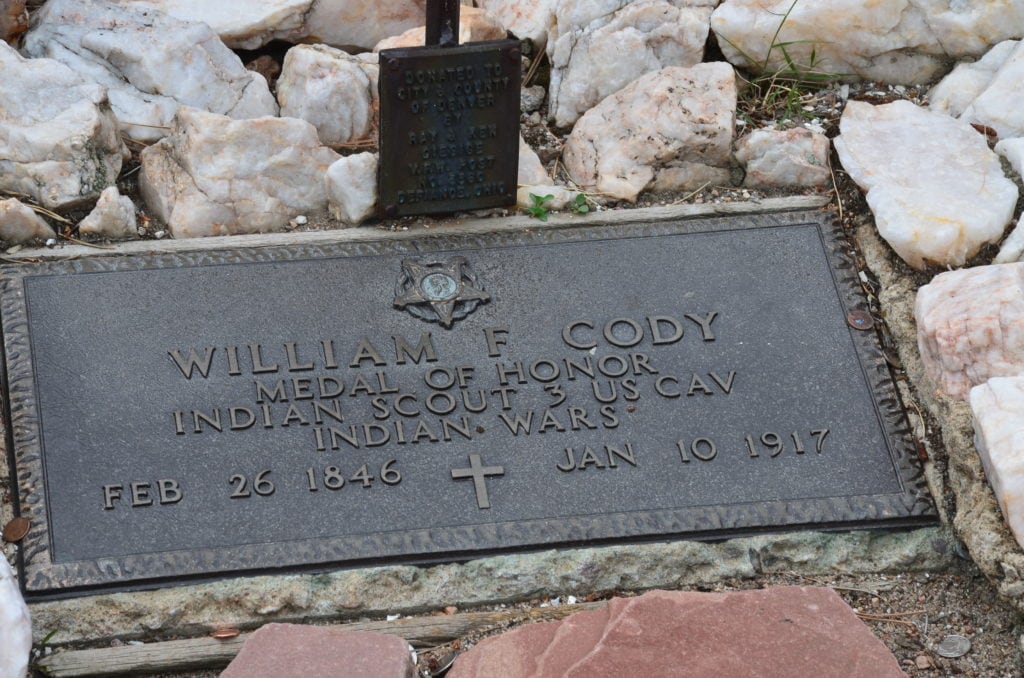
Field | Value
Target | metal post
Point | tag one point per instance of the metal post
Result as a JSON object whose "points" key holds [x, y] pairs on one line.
{"points": [[442, 23]]}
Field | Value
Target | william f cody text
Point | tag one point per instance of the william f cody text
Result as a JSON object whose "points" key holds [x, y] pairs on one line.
{"points": [[398, 391]]}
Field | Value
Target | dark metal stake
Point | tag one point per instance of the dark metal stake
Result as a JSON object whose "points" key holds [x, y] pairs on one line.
{"points": [[442, 23]]}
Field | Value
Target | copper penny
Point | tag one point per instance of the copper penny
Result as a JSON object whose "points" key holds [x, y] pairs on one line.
{"points": [[225, 634], [16, 530], [860, 320]]}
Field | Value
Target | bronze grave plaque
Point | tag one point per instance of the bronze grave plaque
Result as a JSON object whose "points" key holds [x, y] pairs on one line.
{"points": [[184, 416], [449, 130]]}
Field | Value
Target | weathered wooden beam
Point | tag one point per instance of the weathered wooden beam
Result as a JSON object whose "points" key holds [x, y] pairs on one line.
{"points": [[209, 653]]}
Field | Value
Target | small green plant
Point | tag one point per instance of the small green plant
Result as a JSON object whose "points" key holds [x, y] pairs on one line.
{"points": [[539, 209], [783, 91], [579, 205]]}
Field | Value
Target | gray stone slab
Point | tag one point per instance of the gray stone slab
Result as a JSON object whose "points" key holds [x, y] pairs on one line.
{"points": [[717, 424]]}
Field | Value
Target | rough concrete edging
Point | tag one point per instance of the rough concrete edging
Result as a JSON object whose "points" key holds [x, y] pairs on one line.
{"points": [[247, 603]]}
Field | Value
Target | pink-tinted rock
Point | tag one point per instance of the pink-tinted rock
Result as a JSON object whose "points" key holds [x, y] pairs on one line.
{"points": [[296, 651], [475, 25], [998, 408], [970, 326], [778, 632], [13, 19]]}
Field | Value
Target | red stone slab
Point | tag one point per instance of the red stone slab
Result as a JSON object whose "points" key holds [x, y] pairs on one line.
{"points": [[296, 651], [781, 632]]}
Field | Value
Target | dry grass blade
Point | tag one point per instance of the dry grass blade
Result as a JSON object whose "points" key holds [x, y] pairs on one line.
{"points": [[354, 145], [84, 244], [534, 67], [47, 213], [690, 195]]}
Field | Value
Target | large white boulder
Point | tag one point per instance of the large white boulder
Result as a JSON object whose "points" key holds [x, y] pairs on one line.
{"points": [[998, 408], [333, 90], [59, 140], [893, 41], [112, 217], [669, 129], [360, 24], [526, 19], [597, 49], [936, 189], [15, 626], [213, 175], [241, 24], [150, 63], [19, 223], [970, 327]]}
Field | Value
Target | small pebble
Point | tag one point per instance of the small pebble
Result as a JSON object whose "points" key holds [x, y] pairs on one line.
{"points": [[393, 617], [301, 220], [159, 234], [923, 662], [51, 242]]}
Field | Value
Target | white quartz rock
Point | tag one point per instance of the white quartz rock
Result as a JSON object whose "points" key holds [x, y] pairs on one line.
{"points": [[1012, 249], [526, 19], [59, 140], [531, 171], [213, 175], [893, 41], [670, 123], [970, 326], [1001, 104], [1013, 151], [352, 188], [360, 24], [113, 217], [15, 626], [150, 63], [241, 24], [796, 157], [599, 58], [333, 90], [475, 25], [955, 92], [937, 191], [998, 408], [19, 223]]}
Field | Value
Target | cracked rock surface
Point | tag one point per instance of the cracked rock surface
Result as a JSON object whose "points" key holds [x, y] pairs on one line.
{"points": [[669, 129], [59, 141], [216, 176], [595, 56], [333, 90], [150, 63]]}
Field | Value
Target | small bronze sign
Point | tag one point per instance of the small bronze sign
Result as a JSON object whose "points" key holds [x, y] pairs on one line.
{"points": [[449, 130], [192, 415]]}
